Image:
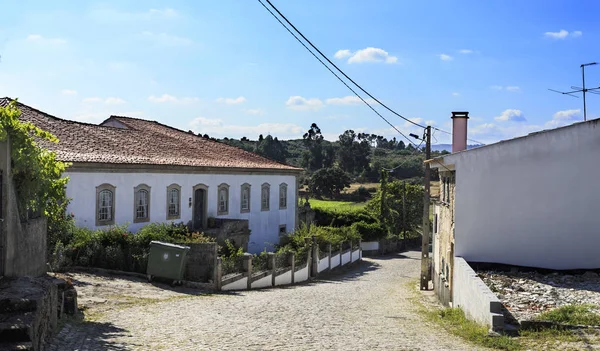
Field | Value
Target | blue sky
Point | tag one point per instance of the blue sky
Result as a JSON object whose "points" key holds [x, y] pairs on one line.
{"points": [[227, 68]]}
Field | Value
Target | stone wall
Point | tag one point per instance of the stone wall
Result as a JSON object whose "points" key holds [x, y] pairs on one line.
{"points": [[24, 243], [234, 230], [201, 262], [443, 239]]}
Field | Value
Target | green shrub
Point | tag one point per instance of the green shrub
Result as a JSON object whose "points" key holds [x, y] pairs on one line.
{"points": [[370, 231], [327, 217]]}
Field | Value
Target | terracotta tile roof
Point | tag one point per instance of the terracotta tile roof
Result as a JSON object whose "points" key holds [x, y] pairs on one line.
{"points": [[139, 142]]}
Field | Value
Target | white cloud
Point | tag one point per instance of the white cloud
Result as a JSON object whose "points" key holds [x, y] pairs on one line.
{"points": [[342, 54], [172, 99], [563, 34], [465, 51], [255, 111], [232, 101], [92, 99], [513, 88], [455, 94], [114, 101], [369, 54], [167, 39], [445, 57], [348, 100], [68, 92], [220, 128], [36, 38], [565, 117], [300, 103], [496, 87], [511, 115]]}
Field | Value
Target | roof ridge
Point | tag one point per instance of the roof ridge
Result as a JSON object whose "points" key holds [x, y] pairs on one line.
{"points": [[56, 118]]}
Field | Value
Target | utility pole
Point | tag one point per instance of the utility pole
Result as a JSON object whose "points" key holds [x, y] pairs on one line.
{"points": [[583, 90], [425, 272], [404, 213]]}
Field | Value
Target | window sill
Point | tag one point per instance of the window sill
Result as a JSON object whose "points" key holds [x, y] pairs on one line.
{"points": [[141, 220], [265, 210], [283, 208], [102, 224], [170, 218], [225, 213], [245, 211]]}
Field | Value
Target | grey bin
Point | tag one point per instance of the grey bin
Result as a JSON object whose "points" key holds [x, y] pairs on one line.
{"points": [[167, 261]]}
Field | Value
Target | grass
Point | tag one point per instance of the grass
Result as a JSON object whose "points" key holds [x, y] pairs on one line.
{"points": [[342, 206], [572, 314], [355, 186], [454, 320]]}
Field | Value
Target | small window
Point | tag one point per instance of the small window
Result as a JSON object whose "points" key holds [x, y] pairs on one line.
{"points": [[223, 192], [141, 203], [173, 201], [265, 193], [105, 205], [245, 198], [282, 230], [283, 196], [435, 223]]}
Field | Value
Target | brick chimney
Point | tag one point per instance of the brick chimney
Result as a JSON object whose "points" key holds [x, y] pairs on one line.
{"points": [[459, 131]]}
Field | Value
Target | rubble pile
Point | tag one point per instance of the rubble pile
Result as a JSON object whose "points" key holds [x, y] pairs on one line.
{"points": [[527, 294]]}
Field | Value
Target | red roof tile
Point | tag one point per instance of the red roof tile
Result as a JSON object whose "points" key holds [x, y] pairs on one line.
{"points": [[140, 142]]}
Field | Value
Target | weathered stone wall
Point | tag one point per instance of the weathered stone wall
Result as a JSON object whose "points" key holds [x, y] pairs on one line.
{"points": [[443, 252], [24, 243], [201, 262], [235, 230]]}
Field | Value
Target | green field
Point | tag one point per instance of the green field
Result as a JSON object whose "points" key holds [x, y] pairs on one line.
{"points": [[342, 206]]}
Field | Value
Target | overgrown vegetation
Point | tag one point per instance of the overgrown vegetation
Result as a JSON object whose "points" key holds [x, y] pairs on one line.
{"points": [[116, 247], [572, 314]]}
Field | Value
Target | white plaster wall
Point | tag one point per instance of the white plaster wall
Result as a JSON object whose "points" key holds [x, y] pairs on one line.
{"points": [[264, 225], [335, 260], [355, 255], [284, 279], [301, 275], [474, 297], [531, 201], [345, 258], [241, 284], [264, 282], [369, 245], [323, 264]]}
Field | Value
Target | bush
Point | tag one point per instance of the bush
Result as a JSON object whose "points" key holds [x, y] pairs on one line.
{"points": [[326, 217], [300, 241], [370, 231]]}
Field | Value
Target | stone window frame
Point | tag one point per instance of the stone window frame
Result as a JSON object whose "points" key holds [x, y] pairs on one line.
{"points": [[170, 188], [267, 206], [245, 187], [113, 190], [221, 187], [139, 188], [283, 187]]}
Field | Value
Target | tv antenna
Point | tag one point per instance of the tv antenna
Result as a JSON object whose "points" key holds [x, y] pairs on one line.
{"points": [[581, 90]]}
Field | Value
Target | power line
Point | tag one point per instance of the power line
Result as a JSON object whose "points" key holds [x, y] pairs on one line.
{"points": [[443, 131], [332, 72], [337, 68]]}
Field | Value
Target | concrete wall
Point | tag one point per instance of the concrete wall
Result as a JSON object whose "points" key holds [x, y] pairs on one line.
{"points": [[264, 225], [24, 251], [474, 297], [531, 201], [201, 262]]}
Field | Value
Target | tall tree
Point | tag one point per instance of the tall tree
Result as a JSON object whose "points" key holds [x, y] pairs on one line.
{"points": [[313, 139], [271, 148]]}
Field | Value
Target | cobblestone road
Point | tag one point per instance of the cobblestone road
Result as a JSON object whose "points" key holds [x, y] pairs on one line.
{"points": [[367, 307]]}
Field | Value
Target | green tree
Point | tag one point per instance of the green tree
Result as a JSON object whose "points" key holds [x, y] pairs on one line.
{"points": [[271, 148], [354, 151], [313, 140], [386, 204], [328, 182]]}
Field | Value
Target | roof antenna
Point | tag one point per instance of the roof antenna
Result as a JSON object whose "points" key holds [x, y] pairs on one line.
{"points": [[581, 90]]}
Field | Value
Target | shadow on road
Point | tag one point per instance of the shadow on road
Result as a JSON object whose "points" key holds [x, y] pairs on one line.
{"points": [[89, 335]]}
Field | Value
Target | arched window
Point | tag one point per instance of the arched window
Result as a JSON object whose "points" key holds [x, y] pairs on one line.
{"points": [[265, 193], [105, 204], [245, 198], [223, 196], [282, 196], [173, 201], [141, 203]]}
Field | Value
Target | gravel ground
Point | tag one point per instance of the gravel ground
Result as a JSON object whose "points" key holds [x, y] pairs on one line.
{"points": [[527, 294], [368, 306]]}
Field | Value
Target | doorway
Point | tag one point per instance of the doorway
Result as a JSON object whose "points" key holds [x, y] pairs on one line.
{"points": [[199, 207]]}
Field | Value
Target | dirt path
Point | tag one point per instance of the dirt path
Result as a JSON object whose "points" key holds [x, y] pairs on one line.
{"points": [[367, 307]]}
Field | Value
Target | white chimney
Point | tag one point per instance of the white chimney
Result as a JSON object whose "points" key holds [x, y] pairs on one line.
{"points": [[459, 131]]}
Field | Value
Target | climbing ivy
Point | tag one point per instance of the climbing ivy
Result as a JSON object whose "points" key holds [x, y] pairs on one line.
{"points": [[36, 172]]}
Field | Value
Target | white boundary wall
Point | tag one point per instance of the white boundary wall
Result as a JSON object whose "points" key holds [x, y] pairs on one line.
{"points": [[264, 282], [356, 255], [335, 260], [284, 279], [345, 258], [369, 245], [241, 284], [323, 264], [474, 297], [301, 275]]}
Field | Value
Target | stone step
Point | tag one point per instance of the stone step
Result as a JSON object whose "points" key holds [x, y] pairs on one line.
{"points": [[15, 305], [15, 327], [15, 346]]}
